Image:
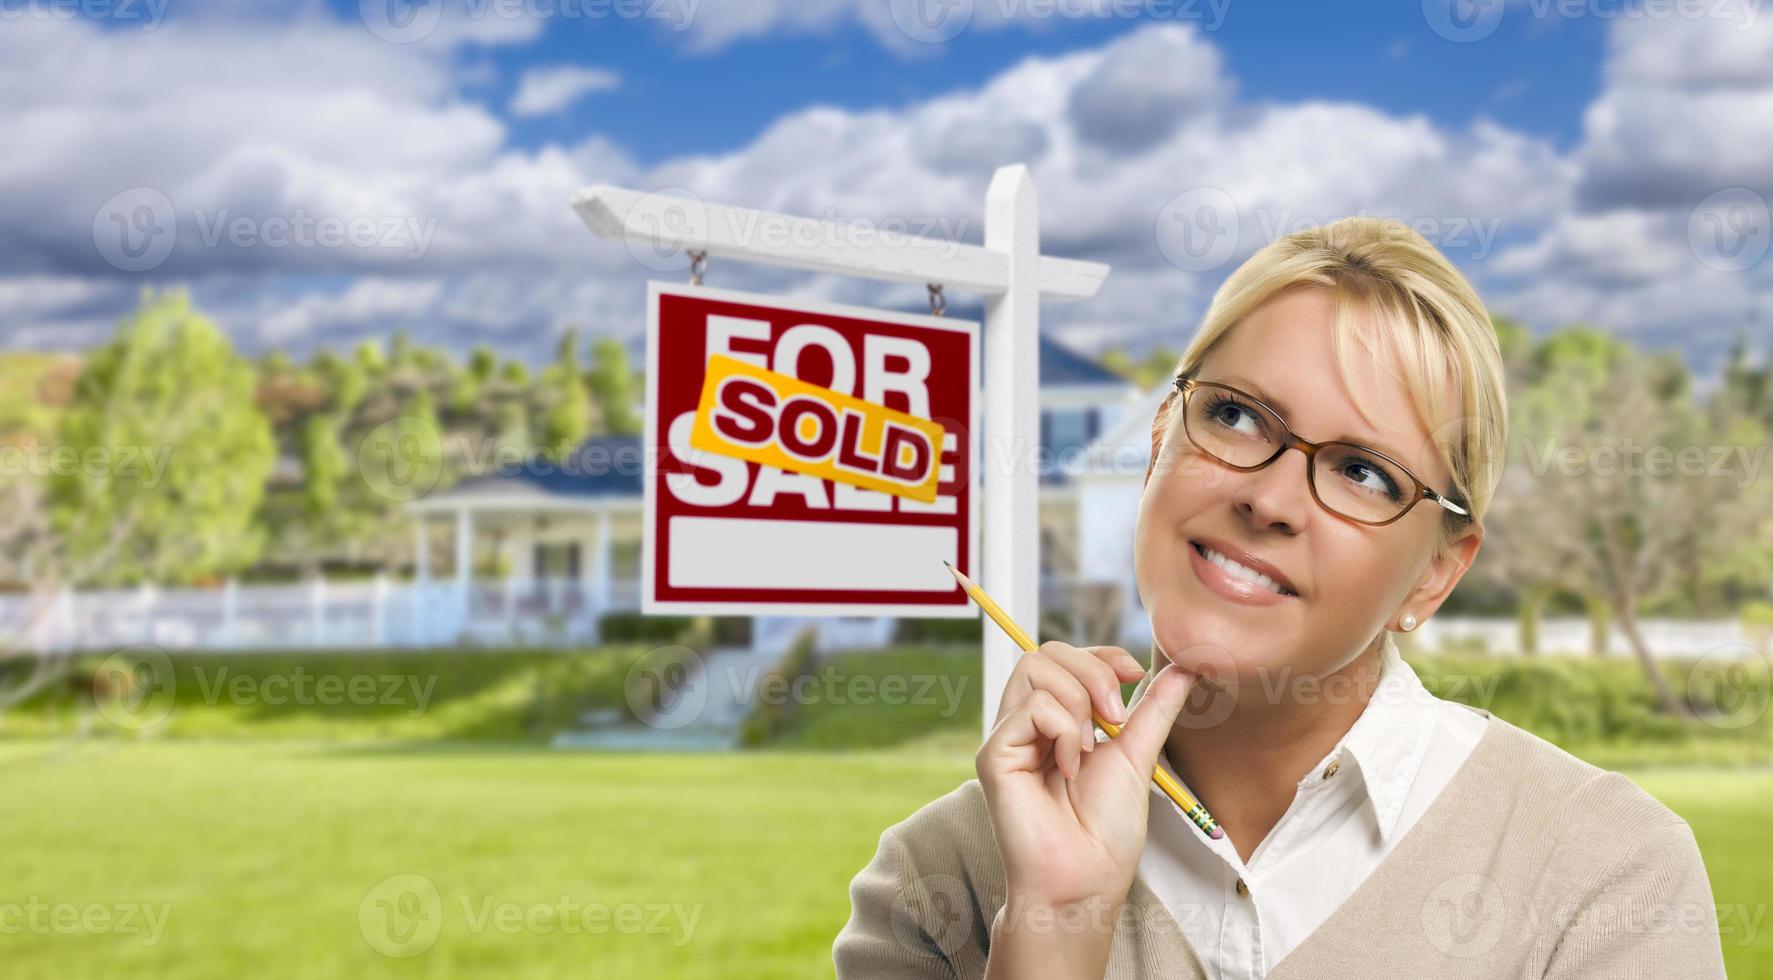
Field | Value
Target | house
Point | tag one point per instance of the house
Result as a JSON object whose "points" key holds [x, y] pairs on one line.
{"points": [[545, 548]]}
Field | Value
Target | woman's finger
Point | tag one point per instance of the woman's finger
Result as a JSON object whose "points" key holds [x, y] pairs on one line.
{"points": [[1096, 675], [1039, 730], [1047, 674]]}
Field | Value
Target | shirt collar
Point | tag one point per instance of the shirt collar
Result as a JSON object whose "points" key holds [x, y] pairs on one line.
{"points": [[1386, 743]]}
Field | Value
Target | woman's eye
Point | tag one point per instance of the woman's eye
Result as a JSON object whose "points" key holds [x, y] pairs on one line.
{"points": [[1370, 477], [1229, 414]]}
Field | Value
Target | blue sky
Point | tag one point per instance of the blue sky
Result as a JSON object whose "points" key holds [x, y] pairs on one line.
{"points": [[1538, 78], [1581, 160]]}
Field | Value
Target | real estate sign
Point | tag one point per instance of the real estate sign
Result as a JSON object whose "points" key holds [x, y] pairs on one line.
{"points": [[807, 458]]}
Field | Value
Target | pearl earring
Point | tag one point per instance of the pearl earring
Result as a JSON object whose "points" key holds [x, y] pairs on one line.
{"points": [[1408, 622]]}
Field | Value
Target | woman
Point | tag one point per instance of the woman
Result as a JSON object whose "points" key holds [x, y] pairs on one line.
{"points": [[1369, 828]]}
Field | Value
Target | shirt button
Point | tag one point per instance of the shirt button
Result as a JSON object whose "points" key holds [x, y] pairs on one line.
{"points": [[1330, 770], [1242, 889]]}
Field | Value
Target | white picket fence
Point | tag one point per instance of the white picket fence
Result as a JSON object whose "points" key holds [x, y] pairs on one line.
{"points": [[499, 612], [319, 614]]}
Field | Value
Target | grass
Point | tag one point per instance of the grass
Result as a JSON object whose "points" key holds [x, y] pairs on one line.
{"points": [[271, 856], [453, 695]]}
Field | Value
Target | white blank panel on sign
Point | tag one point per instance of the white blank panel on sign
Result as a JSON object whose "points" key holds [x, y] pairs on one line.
{"points": [[706, 551]]}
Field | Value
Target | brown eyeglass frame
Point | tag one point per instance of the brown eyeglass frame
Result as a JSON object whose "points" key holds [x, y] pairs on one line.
{"points": [[1292, 440]]}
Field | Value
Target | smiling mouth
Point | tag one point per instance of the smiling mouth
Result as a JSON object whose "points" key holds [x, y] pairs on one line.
{"points": [[1240, 572]]}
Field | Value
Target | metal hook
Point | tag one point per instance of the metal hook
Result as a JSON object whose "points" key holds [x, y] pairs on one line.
{"points": [[938, 302], [698, 265]]}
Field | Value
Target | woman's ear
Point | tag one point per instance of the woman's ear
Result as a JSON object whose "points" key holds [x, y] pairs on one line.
{"points": [[1157, 431]]}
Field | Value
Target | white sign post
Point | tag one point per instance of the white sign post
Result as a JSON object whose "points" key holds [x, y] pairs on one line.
{"points": [[1008, 270]]}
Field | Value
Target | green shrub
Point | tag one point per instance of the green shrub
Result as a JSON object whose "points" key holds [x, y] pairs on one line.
{"points": [[633, 627], [937, 632]]}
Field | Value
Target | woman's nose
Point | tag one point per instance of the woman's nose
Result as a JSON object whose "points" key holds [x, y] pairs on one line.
{"points": [[1277, 495]]}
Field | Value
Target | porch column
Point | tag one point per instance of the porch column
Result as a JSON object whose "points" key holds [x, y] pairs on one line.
{"points": [[464, 550], [601, 560], [420, 632], [421, 571]]}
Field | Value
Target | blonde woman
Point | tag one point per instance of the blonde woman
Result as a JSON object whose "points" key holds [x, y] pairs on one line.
{"points": [[1318, 482]]}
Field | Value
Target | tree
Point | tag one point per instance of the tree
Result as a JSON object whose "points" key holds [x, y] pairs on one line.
{"points": [[613, 387], [1603, 495], [565, 404], [174, 451]]}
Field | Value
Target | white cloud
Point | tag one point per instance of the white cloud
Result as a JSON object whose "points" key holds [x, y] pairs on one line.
{"points": [[545, 90], [1675, 149], [323, 118]]}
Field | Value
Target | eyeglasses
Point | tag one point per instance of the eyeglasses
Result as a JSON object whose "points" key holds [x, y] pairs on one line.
{"points": [[1349, 480]]}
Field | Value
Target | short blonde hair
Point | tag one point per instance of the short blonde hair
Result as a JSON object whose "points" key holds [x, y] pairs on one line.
{"points": [[1434, 329]]}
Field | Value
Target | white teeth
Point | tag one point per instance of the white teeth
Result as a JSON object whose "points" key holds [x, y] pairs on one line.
{"points": [[1238, 571]]}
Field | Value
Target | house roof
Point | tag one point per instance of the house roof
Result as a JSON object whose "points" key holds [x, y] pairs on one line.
{"points": [[601, 466], [1060, 365]]}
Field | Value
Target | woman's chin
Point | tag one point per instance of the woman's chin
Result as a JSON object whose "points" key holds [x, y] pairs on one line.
{"points": [[1203, 644]]}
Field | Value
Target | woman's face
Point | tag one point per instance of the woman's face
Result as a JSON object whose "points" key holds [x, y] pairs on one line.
{"points": [[1347, 581]]}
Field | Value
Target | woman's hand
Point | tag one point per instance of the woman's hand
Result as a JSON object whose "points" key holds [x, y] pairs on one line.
{"points": [[1069, 812]]}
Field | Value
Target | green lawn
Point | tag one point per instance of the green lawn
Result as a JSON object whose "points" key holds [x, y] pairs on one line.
{"points": [[273, 858]]}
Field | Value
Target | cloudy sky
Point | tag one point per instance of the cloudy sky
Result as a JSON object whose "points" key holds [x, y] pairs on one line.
{"points": [[322, 172]]}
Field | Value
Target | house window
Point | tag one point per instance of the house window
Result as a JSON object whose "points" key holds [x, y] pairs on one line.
{"points": [[1069, 430], [557, 560]]}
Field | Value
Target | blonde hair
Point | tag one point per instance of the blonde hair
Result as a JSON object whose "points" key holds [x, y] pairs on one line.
{"points": [[1427, 320]]}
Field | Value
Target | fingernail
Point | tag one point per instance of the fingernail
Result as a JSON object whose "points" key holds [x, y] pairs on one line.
{"points": [[1117, 712]]}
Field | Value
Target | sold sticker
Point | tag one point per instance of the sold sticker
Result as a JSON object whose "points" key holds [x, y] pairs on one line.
{"points": [[759, 415]]}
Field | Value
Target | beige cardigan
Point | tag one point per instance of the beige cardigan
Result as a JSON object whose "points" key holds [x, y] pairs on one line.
{"points": [[1531, 863]]}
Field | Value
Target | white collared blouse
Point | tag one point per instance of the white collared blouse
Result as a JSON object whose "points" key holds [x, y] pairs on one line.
{"points": [[1347, 814]]}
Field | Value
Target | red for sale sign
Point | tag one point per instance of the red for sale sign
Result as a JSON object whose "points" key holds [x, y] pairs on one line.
{"points": [[810, 458]]}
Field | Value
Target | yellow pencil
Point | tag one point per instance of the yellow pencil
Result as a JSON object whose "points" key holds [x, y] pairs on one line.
{"points": [[1172, 789]]}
